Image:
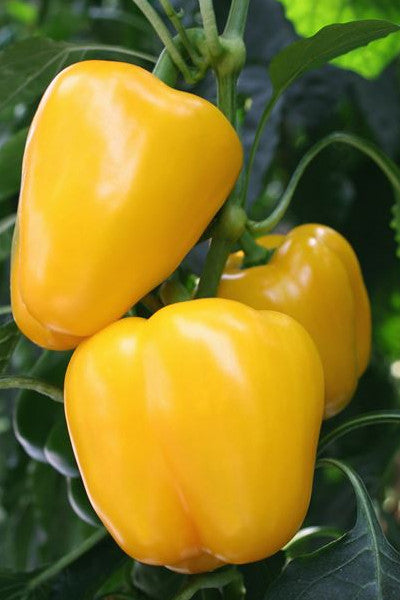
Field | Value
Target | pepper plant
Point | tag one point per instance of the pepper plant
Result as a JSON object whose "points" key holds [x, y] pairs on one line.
{"points": [[206, 47]]}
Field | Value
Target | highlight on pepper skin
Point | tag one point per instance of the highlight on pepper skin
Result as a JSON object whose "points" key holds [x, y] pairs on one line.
{"points": [[173, 419], [313, 276]]}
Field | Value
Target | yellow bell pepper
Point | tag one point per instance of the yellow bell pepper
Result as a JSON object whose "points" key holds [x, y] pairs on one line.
{"points": [[195, 431], [121, 175], [313, 276]]}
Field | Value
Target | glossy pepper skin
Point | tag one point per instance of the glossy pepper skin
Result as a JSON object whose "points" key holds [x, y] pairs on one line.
{"points": [[195, 431], [313, 276], [121, 175]]}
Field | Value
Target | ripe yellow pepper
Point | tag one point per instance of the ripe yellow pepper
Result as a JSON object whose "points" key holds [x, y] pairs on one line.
{"points": [[313, 276], [195, 431], [121, 175]]}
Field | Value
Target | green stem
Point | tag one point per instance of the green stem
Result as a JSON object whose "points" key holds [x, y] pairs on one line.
{"points": [[226, 96], [206, 581], [177, 23], [164, 35], [388, 167], [372, 418], [232, 219], [348, 471], [10, 382], [213, 267], [5, 310], [221, 244], [256, 142], [254, 254], [210, 28], [235, 590], [237, 18], [167, 71], [66, 560]]}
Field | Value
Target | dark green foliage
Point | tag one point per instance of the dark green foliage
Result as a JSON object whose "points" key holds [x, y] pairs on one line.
{"points": [[45, 513], [361, 564]]}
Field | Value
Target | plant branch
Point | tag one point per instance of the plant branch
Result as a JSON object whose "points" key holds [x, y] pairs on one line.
{"points": [[231, 221], [164, 35], [388, 167], [254, 254], [214, 580], [210, 28], [176, 21], [5, 310], [10, 382], [254, 147], [372, 418], [167, 71], [237, 18], [213, 267], [226, 96], [66, 560]]}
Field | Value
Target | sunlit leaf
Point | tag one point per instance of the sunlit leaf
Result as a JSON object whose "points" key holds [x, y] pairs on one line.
{"points": [[309, 16]]}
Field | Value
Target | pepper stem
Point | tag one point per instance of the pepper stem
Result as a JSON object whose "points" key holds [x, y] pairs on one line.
{"points": [[254, 254], [176, 21], [162, 31], [227, 66], [237, 18], [12, 382], [210, 28]]}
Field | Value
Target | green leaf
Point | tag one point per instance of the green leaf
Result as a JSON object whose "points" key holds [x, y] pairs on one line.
{"points": [[11, 153], [6, 233], [27, 67], [25, 12], [378, 417], [309, 16], [13, 587], [216, 580], [58, 449], [302, 56], [34, 414], [330, 42], [9, 335], [56, 527], [80, 503], [259, 576], [395, 223], [361, 564], [76, 576], [387, 166], [157, 583]]}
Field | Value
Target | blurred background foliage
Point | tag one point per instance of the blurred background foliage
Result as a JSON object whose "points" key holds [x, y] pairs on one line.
{"points": [[41, 507]]}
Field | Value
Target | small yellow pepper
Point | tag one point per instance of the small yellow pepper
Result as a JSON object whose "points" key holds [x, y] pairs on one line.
{"points": [[121, 175], [196, 431], [313, 276]]}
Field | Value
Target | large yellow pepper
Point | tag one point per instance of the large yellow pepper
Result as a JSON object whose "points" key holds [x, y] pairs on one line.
{"points": [[121, 175], [315, 277], [196, 431]]}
